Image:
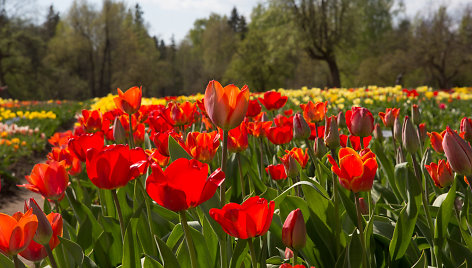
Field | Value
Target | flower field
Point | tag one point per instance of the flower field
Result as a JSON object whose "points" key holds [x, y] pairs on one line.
{"points": [[360, 177]]}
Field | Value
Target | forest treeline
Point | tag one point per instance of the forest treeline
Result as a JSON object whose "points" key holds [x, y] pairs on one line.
{"points": [[91, 51]]}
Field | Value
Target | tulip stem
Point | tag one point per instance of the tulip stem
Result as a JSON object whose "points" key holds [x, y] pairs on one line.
{"points": [[57, 207], [253, 253], [18, 263], [337, 230], [261, 158], [365, 262], [52, 261], [223, 166], [295, 257], [188, 238], [241, 177], [419, 177], [131, 136], [120, 216], [311, 152]]}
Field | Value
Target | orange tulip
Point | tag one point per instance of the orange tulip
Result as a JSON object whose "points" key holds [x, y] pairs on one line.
{"points": [[130, 101], [226, 106], [256, 129], [356, 172], [441, 173], [314, 112], [436, 141], [202, 146], [388, 118], [49, 179], [17, 231], [299, 155], [237, 139]]}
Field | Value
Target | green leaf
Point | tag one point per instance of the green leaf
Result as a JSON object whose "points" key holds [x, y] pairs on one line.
{"points": [[150, 262], [176, 151], [131, 249], [239, 253], [422, 262], [145, 237], [6, 262], [167, 256], [349, 205], [443, 217], [71, 253]]}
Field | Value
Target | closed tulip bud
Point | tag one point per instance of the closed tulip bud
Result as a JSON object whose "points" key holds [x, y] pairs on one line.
{"points": [[415, 114], [378, 132], [397, 130], [119, 133], [422, 132], [360, 121], [466, 127], [411, 141], [320, 148], [44, 231], [294, 230], [458, 152], [301, 130], [331, 135], [341, 120], [292, 168]]}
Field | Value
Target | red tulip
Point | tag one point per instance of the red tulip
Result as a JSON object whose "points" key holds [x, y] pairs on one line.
{"points": [[422, 131], [181, 113], [331, 133], [273, 100], [301, 129], [36, 252], [79, 145], [256, 129], [441, 173], [161, 140], [314, 112], [276, 172], [458, 152], [356, 172], [388, 118], [299, 155], [466, 128], [378, 132], [294, 230], [60, 139], [250, 219], [360, 121], [237, 139], [282, 121], [436, 141], [415, 114], [226, 106], [114, 166], [356, 142], [183, 184], [155, 156], [17, 231], [288, 254], [288, 265], [130, 101], [253, 109], [71, 163], [91, 120], [279, 135], [202, 146], [49, 179]]}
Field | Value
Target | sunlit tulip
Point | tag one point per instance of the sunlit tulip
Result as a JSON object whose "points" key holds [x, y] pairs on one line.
{"points": [[314, 112], [250, 219], [49, 179], [226, 106], [79, 145], [91, 120], [356, 172], [436, 141], [276, 172], [238, 139], [299, 155], [71, 162], [294, 230], [273, 100], [183, 184], [253, 109], [279, 135], [441, 173], [202, 146], [301, 129], [388, 118], [458, 152], [17, 231], [360, 121], [130, 101], [331, 134], [356, 142], [466, 128]]}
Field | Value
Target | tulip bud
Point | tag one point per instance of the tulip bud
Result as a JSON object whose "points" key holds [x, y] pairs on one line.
{"points": [[458, 152], [378, 132], [331, 135], [301, 130], [360, 121], [422, 132], [415, 115], [397, 130], [466, 127], [341, 120], [288, 253], [119, 133], [44, 232], [292, 168], [364, 207], [294, 230], [410, 138], [320, 148]]}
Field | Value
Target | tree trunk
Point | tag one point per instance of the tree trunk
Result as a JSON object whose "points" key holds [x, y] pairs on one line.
{"points": [[334, 71]]}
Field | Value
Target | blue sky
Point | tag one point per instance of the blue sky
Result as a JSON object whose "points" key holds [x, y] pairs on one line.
{"points": [[175, 17]]}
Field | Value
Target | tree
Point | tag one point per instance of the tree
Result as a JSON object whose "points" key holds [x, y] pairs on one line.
{"points": [[324, 26]]}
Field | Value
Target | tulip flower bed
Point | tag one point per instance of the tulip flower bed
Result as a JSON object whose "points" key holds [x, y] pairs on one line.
{"points": [[24, 129], [368, 177]]}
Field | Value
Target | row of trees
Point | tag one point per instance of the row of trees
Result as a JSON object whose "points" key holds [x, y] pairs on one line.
{"points": [[90, 52]]}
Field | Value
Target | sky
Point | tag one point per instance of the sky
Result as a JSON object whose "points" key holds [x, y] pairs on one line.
{"points": [[167, 18]]}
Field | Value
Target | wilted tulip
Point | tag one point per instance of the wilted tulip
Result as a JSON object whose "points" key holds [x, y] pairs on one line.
{"points": [[294, 230], [226, 106], [458, 152], [411, 141]]}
